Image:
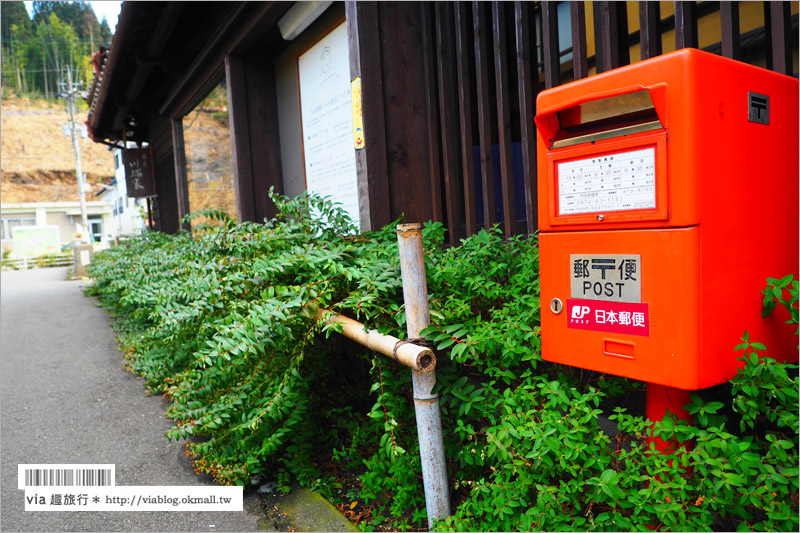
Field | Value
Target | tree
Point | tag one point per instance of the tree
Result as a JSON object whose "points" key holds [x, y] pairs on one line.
{"points": [[66, 47], [105, 32], [13, 13], [14, 28], [61, 35]]}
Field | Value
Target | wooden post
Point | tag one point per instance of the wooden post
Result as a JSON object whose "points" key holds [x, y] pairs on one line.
{"points": [[365, 63], [181, 184]]}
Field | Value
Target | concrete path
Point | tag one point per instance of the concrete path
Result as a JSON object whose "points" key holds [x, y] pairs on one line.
{"points": [[65, 398]]}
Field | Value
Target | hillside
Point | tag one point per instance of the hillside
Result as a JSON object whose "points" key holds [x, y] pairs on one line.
{"points": [[37, 162]]}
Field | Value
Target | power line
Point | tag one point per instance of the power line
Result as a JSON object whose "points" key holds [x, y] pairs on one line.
{"points": [[11, 70], [34, 39]]}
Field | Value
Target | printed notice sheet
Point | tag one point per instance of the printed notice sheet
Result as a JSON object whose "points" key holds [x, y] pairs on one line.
{"points": [[327, 120]]}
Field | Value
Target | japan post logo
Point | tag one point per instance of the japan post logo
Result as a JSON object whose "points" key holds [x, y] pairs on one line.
{"points": [[579, 311]]}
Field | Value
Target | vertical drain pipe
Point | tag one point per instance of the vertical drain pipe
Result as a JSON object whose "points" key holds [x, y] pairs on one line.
{"points": [[426, 404]]}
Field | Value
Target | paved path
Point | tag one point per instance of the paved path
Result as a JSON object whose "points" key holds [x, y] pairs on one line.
{"points": [[67, 399]]}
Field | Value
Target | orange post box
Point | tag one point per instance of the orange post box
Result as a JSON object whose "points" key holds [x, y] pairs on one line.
{"points": [[668, 193]]}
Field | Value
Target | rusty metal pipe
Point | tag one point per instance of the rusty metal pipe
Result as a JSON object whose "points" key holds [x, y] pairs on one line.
{"points": [[426, 403], [420, 358]]}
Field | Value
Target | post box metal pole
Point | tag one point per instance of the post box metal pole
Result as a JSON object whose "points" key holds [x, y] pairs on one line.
{"points": [[426, 403], [661, 398]]}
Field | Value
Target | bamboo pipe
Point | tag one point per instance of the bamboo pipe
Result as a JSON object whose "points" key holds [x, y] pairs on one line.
{"points": [[419, 358]]}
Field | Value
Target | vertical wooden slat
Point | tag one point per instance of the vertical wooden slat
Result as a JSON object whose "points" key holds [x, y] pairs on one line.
{"points": [[181, 183], [767, 33], [622, 53], [729, 21], [484, 112], [528, 88], [603, 39], [447, 110], [501, 80], [685, 25], [580, 62], [240, 138], [611, 31], [781, 36], [649, 36], [465, 99], [371, 165], [404, 95], [552, 53], [432, 109], [602, 36]]}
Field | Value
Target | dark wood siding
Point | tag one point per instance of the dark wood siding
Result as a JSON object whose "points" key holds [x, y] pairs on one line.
{"points": [[165, 212], [404, 88], [254, 134], [486, 62], [448, 91]]}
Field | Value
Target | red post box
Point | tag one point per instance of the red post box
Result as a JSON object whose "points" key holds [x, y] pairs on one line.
{"points": [[668, 193]]}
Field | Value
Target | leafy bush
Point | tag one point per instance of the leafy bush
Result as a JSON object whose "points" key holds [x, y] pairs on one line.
{"points": [[224, 323]]}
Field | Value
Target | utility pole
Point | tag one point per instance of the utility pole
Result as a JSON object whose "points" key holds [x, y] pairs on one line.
{"points": [[69, 93], [44, 69]]}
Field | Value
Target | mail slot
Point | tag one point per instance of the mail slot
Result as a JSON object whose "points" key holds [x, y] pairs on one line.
{"points": [[668, 193]]}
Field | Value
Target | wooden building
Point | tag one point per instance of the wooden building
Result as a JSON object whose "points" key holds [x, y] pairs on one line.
{"points": [[235, 98]]}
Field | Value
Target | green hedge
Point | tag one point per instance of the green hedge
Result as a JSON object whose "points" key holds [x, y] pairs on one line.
{"points": [[223, 322]]}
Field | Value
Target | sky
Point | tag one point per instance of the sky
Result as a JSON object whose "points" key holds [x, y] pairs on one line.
{"points": [[108, 8]]}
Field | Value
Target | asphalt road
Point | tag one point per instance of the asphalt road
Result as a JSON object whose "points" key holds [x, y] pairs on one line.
{"points": [[65, 398]]}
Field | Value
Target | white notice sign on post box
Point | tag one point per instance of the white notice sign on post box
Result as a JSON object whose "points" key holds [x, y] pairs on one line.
{"points": [[608, 182]]}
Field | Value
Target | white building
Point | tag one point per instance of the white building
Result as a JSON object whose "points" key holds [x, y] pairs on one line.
{"points": [[128, 214], [64, 215]]}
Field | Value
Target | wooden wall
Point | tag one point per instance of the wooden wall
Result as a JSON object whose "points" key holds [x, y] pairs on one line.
{"points": [[459, 82], [165, 213], [449, 92]]}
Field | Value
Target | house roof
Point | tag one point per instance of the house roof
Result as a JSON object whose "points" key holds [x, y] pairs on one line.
{"points": [[69, 208], [161, 56]]}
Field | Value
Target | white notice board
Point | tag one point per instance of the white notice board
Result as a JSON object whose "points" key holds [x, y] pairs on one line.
{"points": [[327, 120]]}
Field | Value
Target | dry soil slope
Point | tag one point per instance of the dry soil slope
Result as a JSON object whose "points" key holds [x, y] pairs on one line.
{"points": [[37, 162]]}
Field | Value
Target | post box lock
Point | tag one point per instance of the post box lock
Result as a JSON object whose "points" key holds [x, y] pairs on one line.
{"points": [[556, 306]]}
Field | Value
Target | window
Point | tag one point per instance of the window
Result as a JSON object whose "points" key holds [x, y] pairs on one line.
{"points": [[209, 161], [96, 227], [10, 223]]}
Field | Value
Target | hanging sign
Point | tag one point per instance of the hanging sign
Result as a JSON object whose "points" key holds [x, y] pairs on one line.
{"points": [[139, 173]]}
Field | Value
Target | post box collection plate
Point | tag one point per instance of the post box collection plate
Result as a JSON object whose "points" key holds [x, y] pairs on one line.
{"points": [[611, 277], [615, 182]]}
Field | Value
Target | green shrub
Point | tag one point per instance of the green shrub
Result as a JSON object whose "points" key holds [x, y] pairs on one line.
{"points": [[224, 323]]}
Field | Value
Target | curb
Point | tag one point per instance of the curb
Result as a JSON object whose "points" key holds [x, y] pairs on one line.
{"points": [[309, 511]]}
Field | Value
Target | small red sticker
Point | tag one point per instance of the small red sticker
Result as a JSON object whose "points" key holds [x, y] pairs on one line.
{"points": [[610, 317]]}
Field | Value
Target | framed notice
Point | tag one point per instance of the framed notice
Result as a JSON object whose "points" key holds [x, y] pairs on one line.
{"points": [[326, 118], [139, 173]]}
